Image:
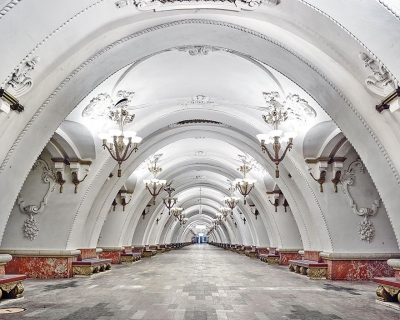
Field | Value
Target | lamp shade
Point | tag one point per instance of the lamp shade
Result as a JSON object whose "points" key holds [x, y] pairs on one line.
{"points": [[275, 133], [137, 139], [104, 136], [129, 134], [291, 134]]}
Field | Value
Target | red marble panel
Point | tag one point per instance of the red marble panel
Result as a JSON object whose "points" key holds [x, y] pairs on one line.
{"points": [[87, 253], [312, 255], [3, 269], [41, 267], [138, 250], [263, 251], [397, 274], [115, 256], [284, 257], [357, 269]]}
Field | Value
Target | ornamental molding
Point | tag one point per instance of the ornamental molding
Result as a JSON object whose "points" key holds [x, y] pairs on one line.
{"points": [[31, 225], [365, 228], [199, 100], [380, 81], [198, 50], [8, 7], [167, 5], [21, 81], [298, 111]]}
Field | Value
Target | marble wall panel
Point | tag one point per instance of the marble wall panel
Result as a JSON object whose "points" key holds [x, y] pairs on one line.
{"points": [[358, 269], [284, 257], [115, 256]]}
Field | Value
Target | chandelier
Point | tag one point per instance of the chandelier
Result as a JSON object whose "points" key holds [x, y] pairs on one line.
{"points": [[245, 185], [224, 211], [169, 201], [154, 186], [121, 143], [182, 218], [176, 211], [278, 113], [231, 201]]}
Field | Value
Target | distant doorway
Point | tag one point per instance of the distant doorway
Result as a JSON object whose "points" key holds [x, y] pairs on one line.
{"points": [[200, 238]]}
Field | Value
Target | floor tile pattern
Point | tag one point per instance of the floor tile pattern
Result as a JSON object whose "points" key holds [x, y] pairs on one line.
{"points": [[198, 282]]}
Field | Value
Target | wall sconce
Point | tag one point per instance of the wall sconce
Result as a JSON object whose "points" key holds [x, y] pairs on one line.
{"points": [[285, 204], [275, 203], [336, 179], [157, 220], [146, 211], [244, 220], [60, 180], [114, 204], [255, 212]]}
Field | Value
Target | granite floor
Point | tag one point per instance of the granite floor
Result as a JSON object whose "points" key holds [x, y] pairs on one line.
{"points": [[198, 282]]}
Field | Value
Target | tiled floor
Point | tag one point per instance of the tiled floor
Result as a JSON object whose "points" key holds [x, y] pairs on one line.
{"points": [[199, 282]]}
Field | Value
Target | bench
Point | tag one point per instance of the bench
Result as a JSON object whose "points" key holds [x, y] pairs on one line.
{"points": [[148, 253], [252, 253], [240, 249], [11, 285], [160, 248], [86, 267], [388, 289], [130, 257], [313, 269], [270, 258]]}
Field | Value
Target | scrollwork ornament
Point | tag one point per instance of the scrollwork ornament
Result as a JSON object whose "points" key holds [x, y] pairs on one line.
{"points": [[365, 228]]}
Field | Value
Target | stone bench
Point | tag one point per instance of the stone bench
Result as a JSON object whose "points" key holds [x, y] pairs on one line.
{"points": [[251, 253], [130, 257], [388, 289], [270, 258], [149, 253], [87, 267], [240, 250], [313, 269], [11, 286]]}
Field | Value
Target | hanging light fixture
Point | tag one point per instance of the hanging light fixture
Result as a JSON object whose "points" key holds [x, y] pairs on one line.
{"points": [[224, 211], [231, 201], [245, 185], [121, 143], [182, 218], [154, 186], [176, 211], [169, 201], [278, 113]]}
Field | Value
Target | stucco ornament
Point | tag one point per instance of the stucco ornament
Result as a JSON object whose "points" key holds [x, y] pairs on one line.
{"points": [[21, 81], [166, 5], [31, 225], [195, 50], [380, 82], [297, 110], [365, 228]]}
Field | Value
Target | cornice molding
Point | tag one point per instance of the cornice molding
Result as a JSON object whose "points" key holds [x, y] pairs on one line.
{"points": [[6, 9]]}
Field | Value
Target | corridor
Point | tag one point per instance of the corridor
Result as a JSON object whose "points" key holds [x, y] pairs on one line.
{"points": [[198, 282]]}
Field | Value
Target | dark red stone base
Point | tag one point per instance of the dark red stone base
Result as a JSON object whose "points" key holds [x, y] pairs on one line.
{"points": [[357, 269], [41, 267], [284, 257], [115, 256]]}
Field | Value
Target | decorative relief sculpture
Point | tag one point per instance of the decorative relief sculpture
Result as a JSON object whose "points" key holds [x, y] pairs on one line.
{"points": [[380, 82], [298, 110], [165, 5], [365, 228], [198, 50], [198, 100], [31, 225], [21, 82]]}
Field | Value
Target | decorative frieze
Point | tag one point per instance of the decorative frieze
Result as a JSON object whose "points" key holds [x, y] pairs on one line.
{"points": [[166, 5]]}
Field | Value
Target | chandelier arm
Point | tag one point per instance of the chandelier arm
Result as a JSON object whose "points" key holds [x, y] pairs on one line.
{"points": [[286, 150], [109, 150], [134, 149], [126, 150], [264, 148], [116, 150]]}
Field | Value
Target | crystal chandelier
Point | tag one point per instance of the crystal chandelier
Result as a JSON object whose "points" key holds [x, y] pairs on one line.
{"points": [[231, 201], [169, 201], [154, 186], [278, 113], [245, 185], [121, 143]]}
